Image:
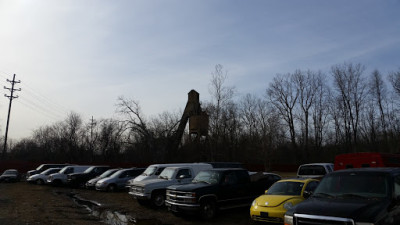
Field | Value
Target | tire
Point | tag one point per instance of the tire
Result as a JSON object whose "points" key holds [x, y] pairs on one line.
{"points": [[39, 181], [158, 199], [111, 188], [208, 209]]}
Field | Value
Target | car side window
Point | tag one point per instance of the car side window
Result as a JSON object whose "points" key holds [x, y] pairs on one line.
{"points": [[230, 178], [311, 186], [69, 170], [124, 174], [159, 170], [185, 172]]}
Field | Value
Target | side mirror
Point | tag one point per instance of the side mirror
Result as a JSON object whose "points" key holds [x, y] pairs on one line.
{"points": [[266, 191], [307, 194]]}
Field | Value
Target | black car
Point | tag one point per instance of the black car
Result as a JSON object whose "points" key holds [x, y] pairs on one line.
{"points": [[80, 179], [10, 175], [368, 196]]}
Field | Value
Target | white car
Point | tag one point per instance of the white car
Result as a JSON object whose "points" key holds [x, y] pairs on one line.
{"points": [[314, 170], [41, 178]]}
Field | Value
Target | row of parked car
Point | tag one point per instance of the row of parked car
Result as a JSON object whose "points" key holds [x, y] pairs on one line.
{"points": [[318, 195]]}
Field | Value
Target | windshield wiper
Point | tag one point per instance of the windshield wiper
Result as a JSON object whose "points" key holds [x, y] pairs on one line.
{"points": [[164, 177], [201, 181], [321, 194], [350, 195]]}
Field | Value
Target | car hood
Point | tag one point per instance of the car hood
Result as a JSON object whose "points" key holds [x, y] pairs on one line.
{"points": [[151, 182], [37, 176], [191, 187], [358, 209], [94, 180], [106, 179], [8, 175], [275, 200]]}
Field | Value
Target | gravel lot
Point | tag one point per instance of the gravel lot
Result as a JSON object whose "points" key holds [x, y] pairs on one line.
{"points": [[24, 203]]}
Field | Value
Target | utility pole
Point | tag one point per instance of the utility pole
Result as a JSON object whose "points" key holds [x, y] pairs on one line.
{"points": [[11, 97]]}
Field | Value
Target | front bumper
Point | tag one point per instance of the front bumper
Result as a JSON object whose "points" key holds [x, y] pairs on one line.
{"points": [[178, 207], [140, 195], [267, 214]]}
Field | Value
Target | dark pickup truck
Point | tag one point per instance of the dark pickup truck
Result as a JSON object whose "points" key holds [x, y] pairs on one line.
{"points": [[217, 189], [368, 196]]}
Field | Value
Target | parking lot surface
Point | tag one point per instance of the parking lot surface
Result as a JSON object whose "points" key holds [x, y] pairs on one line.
{"points": [[24, 203]]}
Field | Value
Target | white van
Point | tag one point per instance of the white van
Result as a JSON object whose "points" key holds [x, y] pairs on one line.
{"points": [[154, 189], [61, 177]]}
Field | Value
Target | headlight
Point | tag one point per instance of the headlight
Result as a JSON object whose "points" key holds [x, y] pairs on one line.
{"points": [[254, 203], [288, 205], [288, 220]]}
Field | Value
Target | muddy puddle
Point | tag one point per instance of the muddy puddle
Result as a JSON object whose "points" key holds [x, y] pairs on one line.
{"points": [[108, 216]]}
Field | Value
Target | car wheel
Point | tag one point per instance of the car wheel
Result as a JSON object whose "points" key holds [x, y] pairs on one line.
{"points": [[39, 181], [208, 209], [158, 199], [111, 188]]}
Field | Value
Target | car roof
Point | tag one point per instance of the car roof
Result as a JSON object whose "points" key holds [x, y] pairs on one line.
{"points": [[391, 170], [317, 164], [302, 180]]}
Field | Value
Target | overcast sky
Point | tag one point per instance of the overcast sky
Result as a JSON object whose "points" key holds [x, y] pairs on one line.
{"points": [[81, 55]]}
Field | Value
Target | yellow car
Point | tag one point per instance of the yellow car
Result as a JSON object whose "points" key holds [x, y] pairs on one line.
{"points": [[281, 196]]}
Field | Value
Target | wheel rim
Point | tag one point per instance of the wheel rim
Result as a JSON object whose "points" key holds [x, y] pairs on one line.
{"points": [[111, 188], [208, 210], [158, 200]]}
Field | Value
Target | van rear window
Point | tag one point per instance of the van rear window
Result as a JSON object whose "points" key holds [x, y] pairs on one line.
{"points": [[312, 170]]}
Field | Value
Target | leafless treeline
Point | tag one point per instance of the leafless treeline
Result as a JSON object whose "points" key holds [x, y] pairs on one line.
{"points": [[303, 116]]}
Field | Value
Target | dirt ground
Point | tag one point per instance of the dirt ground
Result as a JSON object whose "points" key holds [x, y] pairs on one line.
{"points": [[22, 203]]}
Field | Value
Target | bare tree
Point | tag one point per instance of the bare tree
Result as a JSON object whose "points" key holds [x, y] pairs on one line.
{"points": [[394, 78], [221, 99], [379, 95], [283, 94], [306, 83], [320, 109], [351, 87]]}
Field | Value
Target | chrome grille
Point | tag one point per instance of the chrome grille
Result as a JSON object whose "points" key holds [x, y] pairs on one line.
{"points": [[302, 219]]}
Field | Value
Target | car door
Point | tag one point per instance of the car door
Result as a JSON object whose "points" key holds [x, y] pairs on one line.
{"points": [[123, 178], [232, 190], [393, 216], [184, 176]]}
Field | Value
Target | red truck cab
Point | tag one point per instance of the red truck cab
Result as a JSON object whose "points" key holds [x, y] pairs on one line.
{"points": [[366, 159]]}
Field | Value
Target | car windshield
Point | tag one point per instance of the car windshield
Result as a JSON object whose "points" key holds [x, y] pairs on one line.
{"points": [[50, 171], [312, 170], [10, 172], [116, 174], [39, 167], [209, 177], [149, 171], [353, 184], [108, 173], [64, 169], [167, 173], [286, 188], [90, 169]]}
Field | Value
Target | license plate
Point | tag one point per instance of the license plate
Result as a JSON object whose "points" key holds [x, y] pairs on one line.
{"points": [[264, 214]]}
